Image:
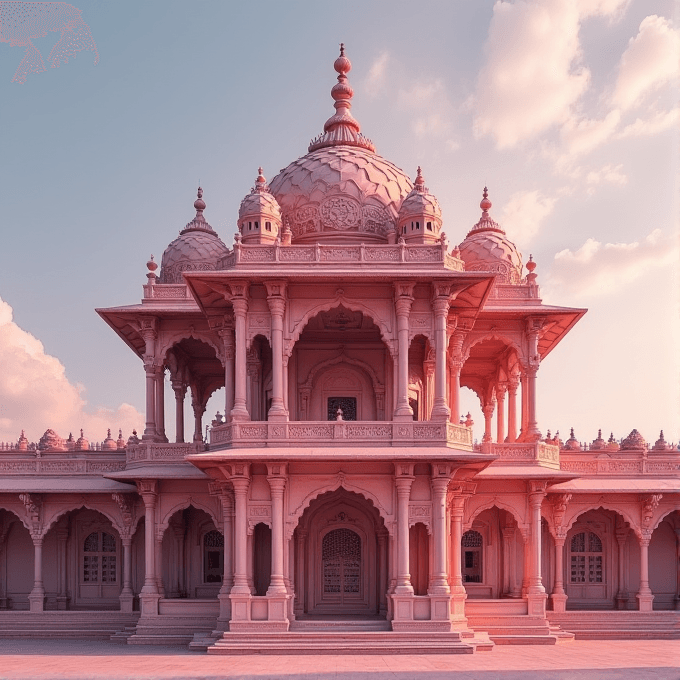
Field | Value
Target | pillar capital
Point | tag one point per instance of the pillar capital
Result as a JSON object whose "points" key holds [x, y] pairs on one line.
{"points": [[148, 490], [276, 290], [404, 289], [440, 307]]}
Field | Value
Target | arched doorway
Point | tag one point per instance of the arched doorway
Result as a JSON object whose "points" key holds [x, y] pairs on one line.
{"points": [[340, 557]]}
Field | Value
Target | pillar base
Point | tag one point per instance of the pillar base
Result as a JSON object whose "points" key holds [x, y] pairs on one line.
{"points": [[126, 599], [240, 415], [148, 603], [37, 601], [440, 413], [536, 604], [421, 613], [622, 600], [258, 614], [63, 601], [645, 601], [277, 417], [559, 602]]}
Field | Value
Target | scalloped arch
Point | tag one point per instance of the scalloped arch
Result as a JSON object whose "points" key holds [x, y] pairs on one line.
{"points": [[78, 506], [353, 305], [340, 482], [18, 514], [663, 516], [485, 504], [494, 335], [342, 359], [183, 505], [634, 525], [176, 337]]}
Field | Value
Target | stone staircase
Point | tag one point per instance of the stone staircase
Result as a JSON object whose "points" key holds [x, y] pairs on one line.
{"points": [[170, 630], [346, 636], [81, 625], [507, 623], [619, 625]]}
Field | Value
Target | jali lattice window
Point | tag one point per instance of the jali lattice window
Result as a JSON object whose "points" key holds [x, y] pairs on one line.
{"points": [[99, 558], [341, 555], [213, 557], [586, 558], [472, 545]]}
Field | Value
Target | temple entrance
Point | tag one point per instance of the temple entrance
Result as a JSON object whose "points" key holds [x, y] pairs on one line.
{"points": [[340, 558]]}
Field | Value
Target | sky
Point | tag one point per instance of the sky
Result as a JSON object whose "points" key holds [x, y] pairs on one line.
{"points": [[566, 109]]}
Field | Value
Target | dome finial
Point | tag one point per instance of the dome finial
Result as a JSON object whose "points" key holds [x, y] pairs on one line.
{"points": [[260, 182], [420, 181], [199, 203], [341, 128], [485, 203]]}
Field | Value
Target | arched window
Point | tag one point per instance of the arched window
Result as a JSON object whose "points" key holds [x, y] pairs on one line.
{"points": [[99, 558], [268, 226], [585, 559], [429, 226], [257, 224], [472, 545], [213, 557]]}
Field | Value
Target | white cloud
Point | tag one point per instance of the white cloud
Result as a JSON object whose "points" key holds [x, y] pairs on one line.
{"points": [[375, 80], [650, 60], [582, 136], [656, 123], [533, 73], [523, 214], [597, 269], [608, 174], [433, 110], [35, 393]]}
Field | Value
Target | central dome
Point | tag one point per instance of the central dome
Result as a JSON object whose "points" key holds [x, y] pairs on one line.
{"points": [[341, 190]]}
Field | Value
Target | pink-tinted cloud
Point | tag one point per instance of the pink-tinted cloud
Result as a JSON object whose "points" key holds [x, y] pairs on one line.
{"points": [[651, 59], [35, 393], [598, 269], [523, 214]]}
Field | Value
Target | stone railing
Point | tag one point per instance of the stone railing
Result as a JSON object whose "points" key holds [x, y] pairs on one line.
{"points": [[340, 434], [167, 291], [61, 462], [510, 293], [622, 463], [156, 452], [345, 255], [546, 455]]}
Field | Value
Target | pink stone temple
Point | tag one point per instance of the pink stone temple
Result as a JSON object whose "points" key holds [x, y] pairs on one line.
{"points": [[341, 502]]}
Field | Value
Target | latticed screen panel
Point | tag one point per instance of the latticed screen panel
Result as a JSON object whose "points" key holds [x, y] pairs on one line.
{"points": [[91, 569], [213, 539], [341, 555], [586, 563], [347, 404], [472, 539], [108, 569], [91, 543]]}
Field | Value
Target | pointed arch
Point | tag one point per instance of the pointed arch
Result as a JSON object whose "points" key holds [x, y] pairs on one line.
{"points": [[175, 337], [662, 516], [477, 505], [87, 504], [183, 505], [596, 505], [340, 482], [353, 305], [342, 359], [492, 335]]}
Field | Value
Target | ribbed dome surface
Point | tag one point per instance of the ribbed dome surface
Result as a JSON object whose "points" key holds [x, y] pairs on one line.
{"points": [[259, 203], [191, 251], [491, 251], [340, 193]]}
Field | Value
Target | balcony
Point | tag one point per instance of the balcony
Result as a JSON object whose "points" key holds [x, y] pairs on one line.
{"points": [[525, 453], [364, 434]]}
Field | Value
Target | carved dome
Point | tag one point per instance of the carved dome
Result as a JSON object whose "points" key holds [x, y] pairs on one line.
{"points": [[198, 248], [341, 190], [259, 216], [486, 248], [633, 441], [420, 216]]}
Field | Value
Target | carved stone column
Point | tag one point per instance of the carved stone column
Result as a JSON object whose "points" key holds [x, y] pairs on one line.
{"points": [[301, 540], [458, 497], [622, 595], [508, 533], [677, 562], [199, 409], [180, 390], [62, 597], [439, 580], [513, 384], [403, 301], [536, 592], [277, 485], [4, 530], [524, 416], [501, 389], [125, 503], [160, 403], [34, 510], [440, 307], [558, 596], [240, 410], [534, 328], [403, 481], [148, 327], [241, 483], [383, 538], [149, 595], [227, 335], [276, 300], [648, 506], [226, 496], [488, 409]]}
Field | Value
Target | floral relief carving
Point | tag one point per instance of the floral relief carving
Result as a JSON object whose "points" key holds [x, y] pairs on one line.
{"points": [[340, 213], [253, 431]]}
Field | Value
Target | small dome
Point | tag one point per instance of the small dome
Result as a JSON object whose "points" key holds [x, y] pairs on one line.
{"points": [[420, 214], [82, 444], [109, 444], [633, 441], [198, 248], [486, 248], [598, 443], [51, 441], [259, 216]]}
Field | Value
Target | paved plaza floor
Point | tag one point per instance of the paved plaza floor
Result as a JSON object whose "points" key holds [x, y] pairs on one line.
{"points": [[580, 660]]}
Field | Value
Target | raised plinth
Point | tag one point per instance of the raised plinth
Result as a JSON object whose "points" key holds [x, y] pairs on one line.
{"points": [[340, 434]]}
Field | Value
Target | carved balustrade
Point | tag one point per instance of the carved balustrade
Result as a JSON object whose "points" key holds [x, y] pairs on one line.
{"points": [[61, 462], [546, 455], [375, 255], [340, 433], [622, 463], [154, 452], [510, 293], [167, 291]]}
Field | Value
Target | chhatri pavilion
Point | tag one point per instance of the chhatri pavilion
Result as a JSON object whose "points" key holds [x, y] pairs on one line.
{"points": [[341, 502]]}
